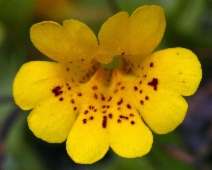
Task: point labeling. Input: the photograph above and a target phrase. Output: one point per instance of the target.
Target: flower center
(117, 62)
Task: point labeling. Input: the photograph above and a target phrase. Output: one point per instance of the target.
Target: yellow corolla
(96, 103)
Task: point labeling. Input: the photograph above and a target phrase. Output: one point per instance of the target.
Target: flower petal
(130, 137)
(72, 42)
(162, 110)
(113, 36)
(176, 69)
(88, 141)
(36, 81)
(51, 120)
(147, 26)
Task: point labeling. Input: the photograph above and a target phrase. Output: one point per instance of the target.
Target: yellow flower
(96, 103)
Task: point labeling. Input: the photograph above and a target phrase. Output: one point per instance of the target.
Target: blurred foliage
(189, 25)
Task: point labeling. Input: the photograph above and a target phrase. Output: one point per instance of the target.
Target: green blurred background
(189, 25)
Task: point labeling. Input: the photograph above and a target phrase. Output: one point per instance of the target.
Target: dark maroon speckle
(128, 106)
(123, 117)
(91, 107)
(72, 101)
(132, 122)
(104, 122)
(120, 102)
(103, 98)
(95, 96)
(57, 91)
(151, 65)
(154, 83)
(95, 87)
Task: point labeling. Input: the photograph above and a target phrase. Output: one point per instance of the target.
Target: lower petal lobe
(88, 141)
(177, 69)
(129, 136)
(34, 82)
(51, 120)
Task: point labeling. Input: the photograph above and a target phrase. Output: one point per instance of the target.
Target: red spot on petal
(109, 98)
(91, 118)
(79, 94)
(128, 106)
(151, 65)
(135, 88)
(115, 91)
(95, 87)
(103, 98)
(147, 98)
(95, 96)
(91, 107)
(75, 108)
(131, 115)
(120, 102)
(140, 82)
(104, 122)
(154, 83)
(123, 117)
(142, 102)
(110, 115)
(132, 122)
(61, 99)
(86, 111)
(84, 120)
(69, 88)
(119, 121)
(67, 69)
(95, 110)
(57, 91)
(72, 101)
(122, 88)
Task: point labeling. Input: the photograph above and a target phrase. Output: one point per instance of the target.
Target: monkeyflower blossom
(110, 92)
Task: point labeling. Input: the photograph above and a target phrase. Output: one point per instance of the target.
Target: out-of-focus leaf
(131, 5)
(9, 65)
(5, 108)
(162, 158)
(135, 163)
(20, 154)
